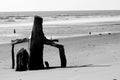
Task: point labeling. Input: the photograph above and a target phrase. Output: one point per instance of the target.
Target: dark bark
(22, 58)
(47, 65)
(13, 60)
(37, 42)
(13, 43)
(61, 52)
(18, 41)
(37, 45)
(62, 56)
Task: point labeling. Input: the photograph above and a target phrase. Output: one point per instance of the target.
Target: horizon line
(56, 10)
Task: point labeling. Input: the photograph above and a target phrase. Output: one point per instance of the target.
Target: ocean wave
(70, 21)
(79, 21)
(64, 31)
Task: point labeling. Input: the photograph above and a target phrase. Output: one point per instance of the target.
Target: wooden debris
(22, 60)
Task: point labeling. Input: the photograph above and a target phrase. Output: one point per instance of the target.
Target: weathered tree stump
(22, 58)
(13, 43)
(37, 42)
(36, 45)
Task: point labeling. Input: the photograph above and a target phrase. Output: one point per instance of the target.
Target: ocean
(59, 24)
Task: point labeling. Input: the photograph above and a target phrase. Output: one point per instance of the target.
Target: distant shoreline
(54, 13)
(74, 36)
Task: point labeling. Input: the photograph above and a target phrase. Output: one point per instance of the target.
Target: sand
(92, 57)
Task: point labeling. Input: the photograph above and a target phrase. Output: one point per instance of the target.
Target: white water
(83, 20)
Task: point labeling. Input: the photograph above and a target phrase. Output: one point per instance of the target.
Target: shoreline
(83, 35)
(78, 35)
(71, 21)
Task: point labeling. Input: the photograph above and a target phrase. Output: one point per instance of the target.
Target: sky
(58, 5)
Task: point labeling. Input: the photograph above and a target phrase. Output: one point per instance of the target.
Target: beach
(92, 56)
(92, 46)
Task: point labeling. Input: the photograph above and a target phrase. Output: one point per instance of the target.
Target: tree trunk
(36, 45)
(22, 60)
(13, 60)
(37, 42)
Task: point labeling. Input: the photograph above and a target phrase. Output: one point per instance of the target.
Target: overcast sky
(51, 5)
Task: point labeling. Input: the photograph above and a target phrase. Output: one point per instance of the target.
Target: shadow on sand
(89, 65)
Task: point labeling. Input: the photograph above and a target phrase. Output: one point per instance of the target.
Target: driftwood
(61, 51)
(13, 60)
(13, 43)
(36, 45)
(22, 58)
(37, 42)
(17, 41)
